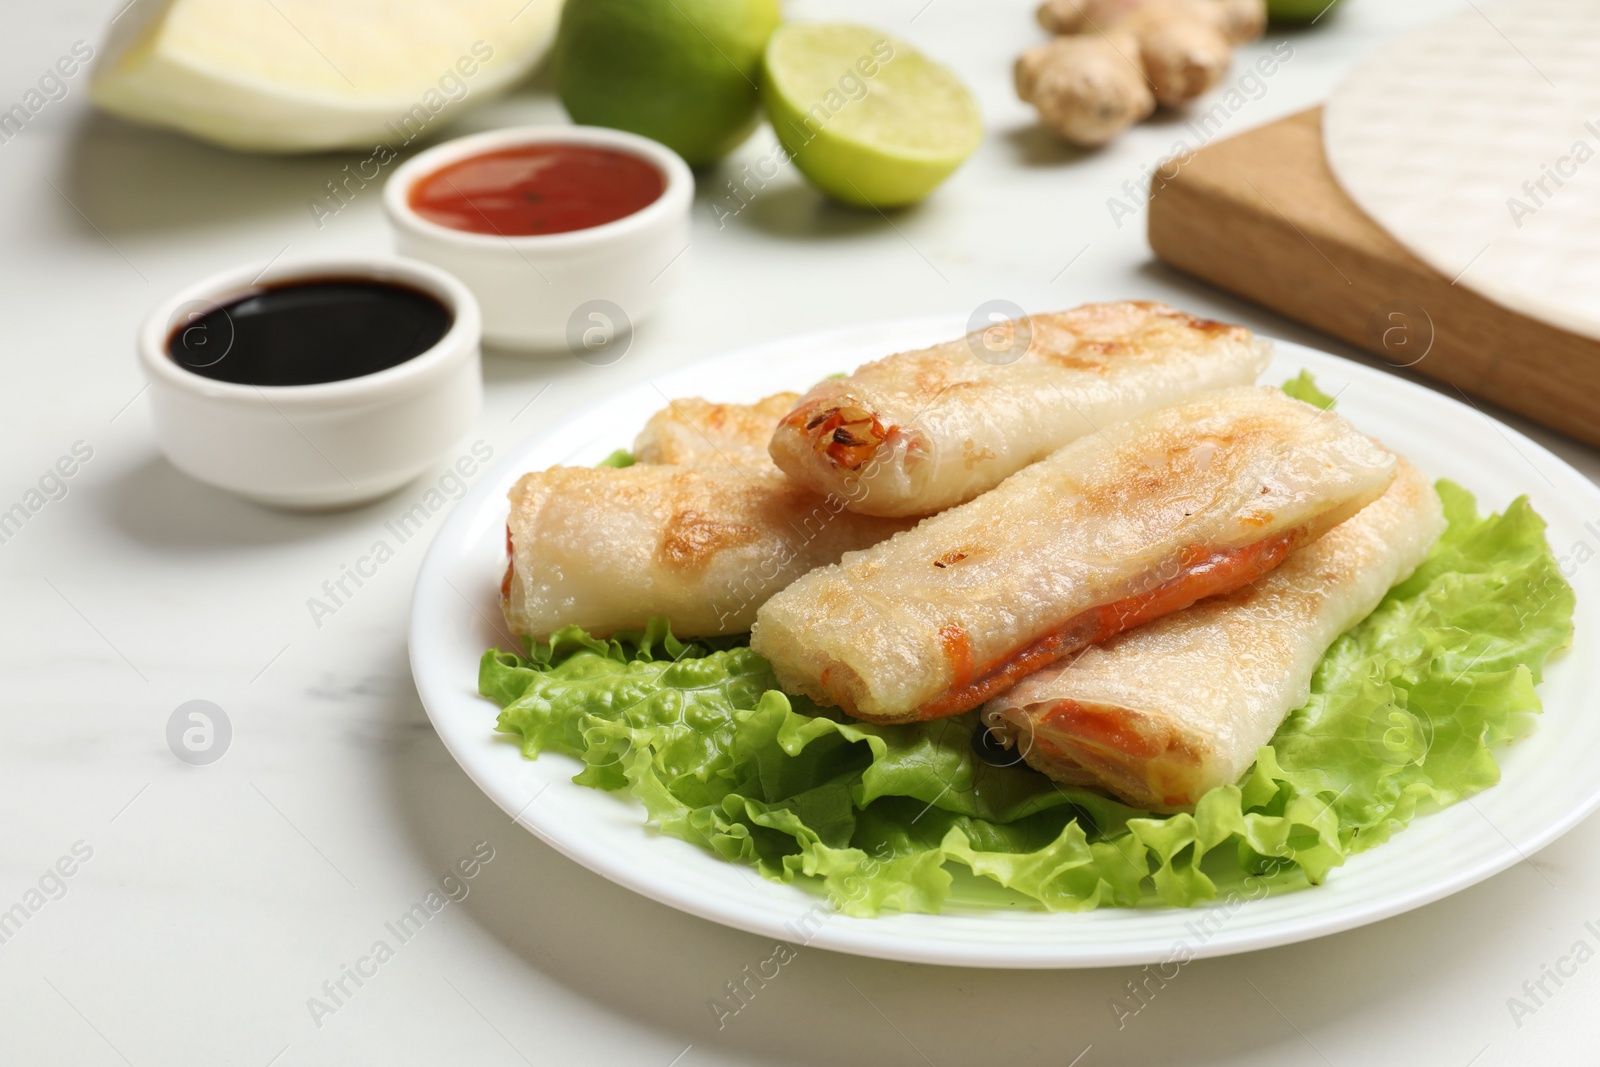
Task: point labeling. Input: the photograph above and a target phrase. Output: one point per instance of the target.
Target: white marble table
(206, 905)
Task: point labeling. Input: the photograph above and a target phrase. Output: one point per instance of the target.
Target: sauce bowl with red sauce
(541, 221)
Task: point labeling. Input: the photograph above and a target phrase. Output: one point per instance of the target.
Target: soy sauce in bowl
(309, 331)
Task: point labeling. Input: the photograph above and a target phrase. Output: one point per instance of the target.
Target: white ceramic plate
(1552, 779)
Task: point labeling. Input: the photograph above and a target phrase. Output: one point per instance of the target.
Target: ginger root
(1088, 88)
(1117, 59)
(1239, 20)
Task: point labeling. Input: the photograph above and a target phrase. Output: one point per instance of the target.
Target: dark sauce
(309, 331)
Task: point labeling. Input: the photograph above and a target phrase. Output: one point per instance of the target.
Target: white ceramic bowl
(539, 291)
(328, 445)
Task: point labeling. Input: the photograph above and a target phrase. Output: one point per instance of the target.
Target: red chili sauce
(537, 189)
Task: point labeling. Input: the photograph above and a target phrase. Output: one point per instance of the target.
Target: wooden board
(1260, 215)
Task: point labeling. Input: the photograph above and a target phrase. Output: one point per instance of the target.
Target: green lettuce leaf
(1304, 387)
(1404, 713)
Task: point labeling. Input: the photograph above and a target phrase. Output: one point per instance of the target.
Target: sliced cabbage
(304, 75)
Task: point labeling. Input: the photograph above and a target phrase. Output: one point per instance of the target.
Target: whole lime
(866, 117)
(1297, 10)
(683, 72)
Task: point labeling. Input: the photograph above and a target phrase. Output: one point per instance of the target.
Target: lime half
(867, 118)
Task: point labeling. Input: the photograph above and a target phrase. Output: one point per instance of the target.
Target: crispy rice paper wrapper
(920, 431)
(1118, 528)
(1164, 713)
(702, 529)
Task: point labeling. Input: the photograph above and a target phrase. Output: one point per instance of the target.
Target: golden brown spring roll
(1163, 713)
(1142, 519)
(699, 433)
(608, 549)
(920, 431)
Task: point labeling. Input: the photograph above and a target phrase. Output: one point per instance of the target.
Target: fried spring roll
(704, 546)
(1162, 714)
(1116, 529)
(699, 433)
(703, 534)
(920, 431)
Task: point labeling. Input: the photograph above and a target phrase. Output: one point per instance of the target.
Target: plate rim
(877, 937)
